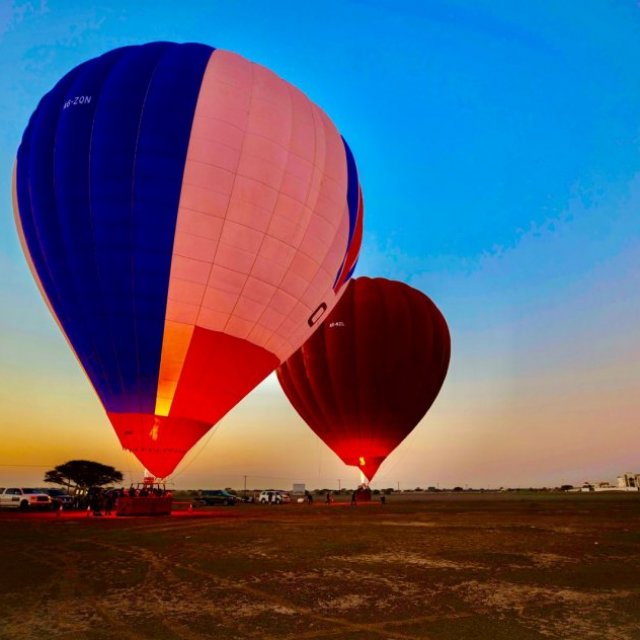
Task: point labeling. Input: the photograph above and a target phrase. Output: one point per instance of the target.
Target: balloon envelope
(365, 379)
(189, 218)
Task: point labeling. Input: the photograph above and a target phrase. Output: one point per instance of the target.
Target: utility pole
(245, 485)
(339, 486)
(398, 485)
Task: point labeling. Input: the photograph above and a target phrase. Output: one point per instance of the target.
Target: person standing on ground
(108, 502)
(96, 501)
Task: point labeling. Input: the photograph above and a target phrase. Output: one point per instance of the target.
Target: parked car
(23, 499)
(59, 498)
(217, 496)
(274, 496)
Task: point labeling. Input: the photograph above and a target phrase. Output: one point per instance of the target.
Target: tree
(83, 474)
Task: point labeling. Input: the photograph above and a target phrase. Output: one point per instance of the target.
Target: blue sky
(498, 145)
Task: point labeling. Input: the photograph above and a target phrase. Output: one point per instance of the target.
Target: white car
(274, 496)
(23, 499)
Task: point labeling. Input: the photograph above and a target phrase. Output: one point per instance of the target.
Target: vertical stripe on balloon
(110, 140)
(261, 220)
(355, 204)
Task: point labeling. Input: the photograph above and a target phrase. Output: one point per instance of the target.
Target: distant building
(626, 482)
(298, 488)
(629, 481)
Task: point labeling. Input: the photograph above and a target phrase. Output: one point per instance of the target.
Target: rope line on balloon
(398, 461)
(205, 442)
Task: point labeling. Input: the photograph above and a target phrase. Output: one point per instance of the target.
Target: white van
(274, 496)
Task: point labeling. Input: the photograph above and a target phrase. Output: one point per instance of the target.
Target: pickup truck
(23, 499)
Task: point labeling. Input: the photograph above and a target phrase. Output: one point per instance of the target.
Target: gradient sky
(498, 145)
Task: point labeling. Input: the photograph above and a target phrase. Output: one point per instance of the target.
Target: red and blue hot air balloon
(189, 218)
(365, 379)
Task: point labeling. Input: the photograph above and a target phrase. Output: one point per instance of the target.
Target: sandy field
(505, 566)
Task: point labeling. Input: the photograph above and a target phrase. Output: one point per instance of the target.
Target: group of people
(145, 492)
(101, 501)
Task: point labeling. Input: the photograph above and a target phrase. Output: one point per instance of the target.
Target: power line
(27, 466)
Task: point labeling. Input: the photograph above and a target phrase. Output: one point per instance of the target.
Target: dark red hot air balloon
(365, 379)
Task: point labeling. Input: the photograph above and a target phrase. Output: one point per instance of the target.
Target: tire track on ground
(379, 629)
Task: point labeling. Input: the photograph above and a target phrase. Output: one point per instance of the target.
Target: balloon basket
(145, 499)
(149, 506)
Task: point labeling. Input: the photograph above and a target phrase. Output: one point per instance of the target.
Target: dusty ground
(444, 567)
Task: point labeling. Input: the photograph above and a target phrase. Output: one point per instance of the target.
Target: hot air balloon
(189, 218)
(365, 379)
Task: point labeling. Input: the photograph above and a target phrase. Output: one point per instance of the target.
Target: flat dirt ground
(436, 566)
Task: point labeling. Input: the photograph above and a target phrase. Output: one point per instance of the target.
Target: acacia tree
(83, 474)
